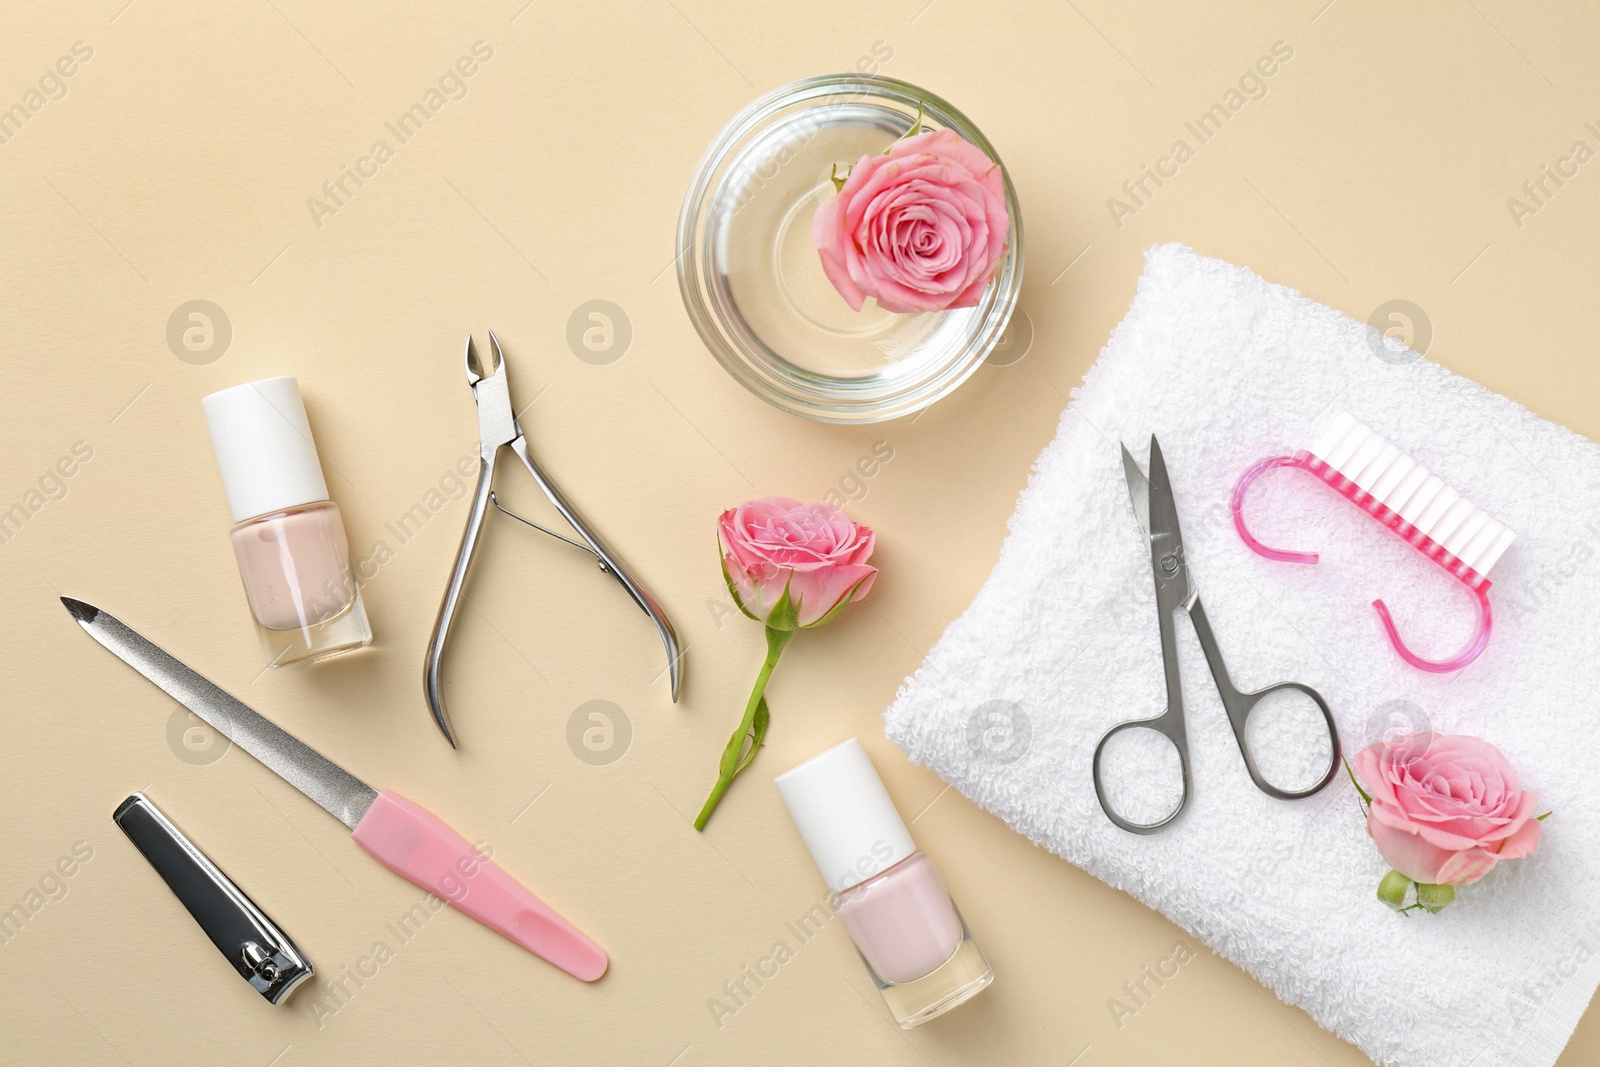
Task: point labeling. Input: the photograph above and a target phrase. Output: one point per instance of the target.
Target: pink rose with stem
(789, 566)
(921, 227)
(1443, 810)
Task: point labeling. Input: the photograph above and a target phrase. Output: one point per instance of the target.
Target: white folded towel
(1061, 643)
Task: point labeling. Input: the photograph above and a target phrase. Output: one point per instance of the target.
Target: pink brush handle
(1477, 583)
(413, 843)
(1236, 506)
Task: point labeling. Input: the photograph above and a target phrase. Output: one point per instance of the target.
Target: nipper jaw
(491, 390)
(498, 428)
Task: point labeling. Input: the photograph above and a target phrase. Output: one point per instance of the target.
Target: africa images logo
(1252, 85)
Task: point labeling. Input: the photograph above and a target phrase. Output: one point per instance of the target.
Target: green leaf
(758, 735)
(1545, 816)
(838, 182)
(1435, 898)
(848, 596)
(732, 592)
(784, 615)
(1392, 890)
(730, 763)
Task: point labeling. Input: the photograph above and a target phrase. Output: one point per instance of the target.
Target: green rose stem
(752, 728)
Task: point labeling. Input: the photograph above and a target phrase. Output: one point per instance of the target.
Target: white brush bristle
(1408, 488)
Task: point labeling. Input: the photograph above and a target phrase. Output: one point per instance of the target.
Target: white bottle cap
(845, 815)
(264, 448)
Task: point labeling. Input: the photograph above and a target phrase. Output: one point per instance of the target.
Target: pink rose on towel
(792, 565)
(1443, 810)
(921, 227)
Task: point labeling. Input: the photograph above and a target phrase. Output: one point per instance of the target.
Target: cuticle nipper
(498, 428)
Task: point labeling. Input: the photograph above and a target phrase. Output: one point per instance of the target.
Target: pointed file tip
(84, 613)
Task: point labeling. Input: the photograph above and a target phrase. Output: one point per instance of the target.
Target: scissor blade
(341, 794)
(1138, 491)
(1166, 538)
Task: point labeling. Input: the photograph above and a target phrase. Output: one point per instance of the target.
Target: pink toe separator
(1477, 583)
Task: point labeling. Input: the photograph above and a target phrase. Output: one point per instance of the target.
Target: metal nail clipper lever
(497, 429)
(248, 939)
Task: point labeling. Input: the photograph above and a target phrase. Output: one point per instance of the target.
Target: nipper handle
(610, 564)
(433, 659)
(499, 428)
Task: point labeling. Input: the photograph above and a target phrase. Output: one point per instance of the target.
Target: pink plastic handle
(1248, 479)
(1477, 583)
(1474, 647)
(415, 844)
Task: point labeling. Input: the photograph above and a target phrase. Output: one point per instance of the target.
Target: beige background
(178, 166)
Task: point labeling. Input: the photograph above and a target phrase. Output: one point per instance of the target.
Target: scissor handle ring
(1244, 705)
(1159, 725)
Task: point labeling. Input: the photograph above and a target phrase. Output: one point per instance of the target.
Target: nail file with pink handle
(404, 837)
(1406, 497)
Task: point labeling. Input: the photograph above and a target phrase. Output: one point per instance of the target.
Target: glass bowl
(754, 286)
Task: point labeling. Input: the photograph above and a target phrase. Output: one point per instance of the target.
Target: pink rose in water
(1443, 810)
(921, 227)
(790, 566)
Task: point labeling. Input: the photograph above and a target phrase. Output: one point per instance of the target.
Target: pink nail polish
(887, 893)
(288, 537)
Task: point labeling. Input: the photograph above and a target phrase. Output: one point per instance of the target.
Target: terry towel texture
(1061, 643)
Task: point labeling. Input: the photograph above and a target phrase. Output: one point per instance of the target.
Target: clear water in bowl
(771, 286)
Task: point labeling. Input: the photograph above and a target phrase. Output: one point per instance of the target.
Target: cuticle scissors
(498, 428)
(1157, 514)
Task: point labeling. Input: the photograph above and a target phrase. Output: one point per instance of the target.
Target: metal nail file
(401, 835)
(257, 948)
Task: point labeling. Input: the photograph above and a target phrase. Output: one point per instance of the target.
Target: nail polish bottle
(288, 537)
(886, 892)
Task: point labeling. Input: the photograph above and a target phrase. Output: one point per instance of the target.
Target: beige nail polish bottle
(288, 537)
